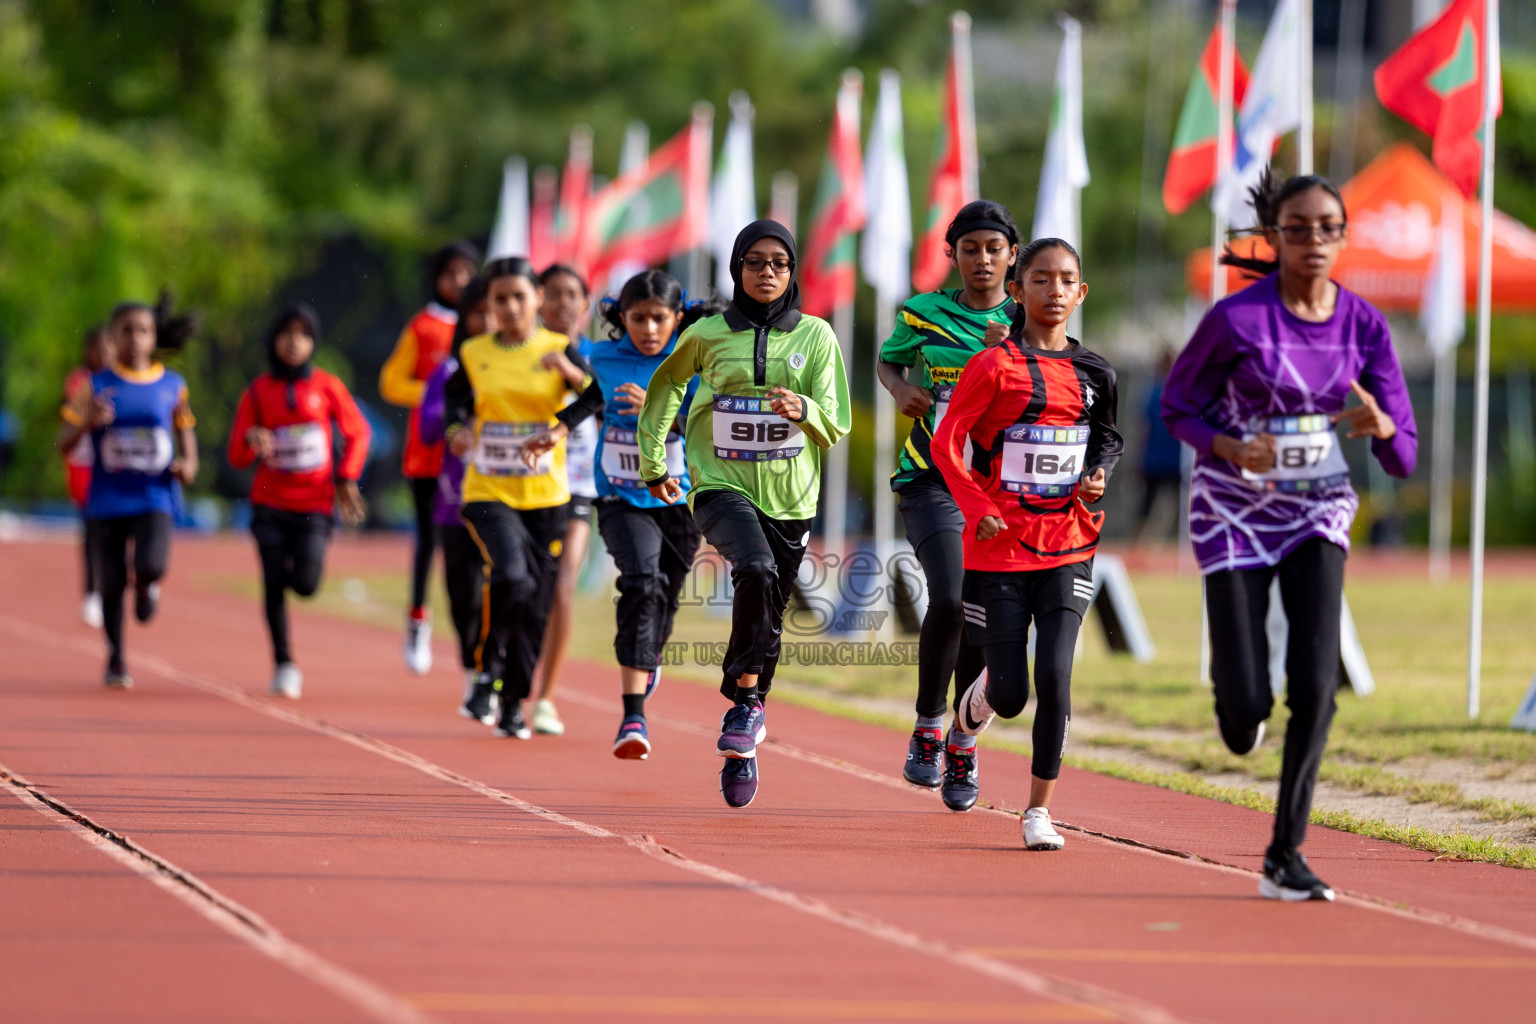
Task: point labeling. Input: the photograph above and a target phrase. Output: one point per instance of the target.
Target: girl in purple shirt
(1258, 393)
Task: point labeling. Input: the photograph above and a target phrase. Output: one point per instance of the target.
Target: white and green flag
(1064, 172)
(732, 197)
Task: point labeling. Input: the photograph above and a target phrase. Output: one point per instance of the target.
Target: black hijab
(305, 314)
(782, 312)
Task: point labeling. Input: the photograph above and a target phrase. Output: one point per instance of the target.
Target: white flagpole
(1223, 143)
(1304, 132)
(1484, 311)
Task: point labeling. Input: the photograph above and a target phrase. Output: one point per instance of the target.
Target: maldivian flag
(1436, 83)
(575, 195)
(541, 217)
(952, 180)
(828, 263)
(659, 211)
(1192, 163)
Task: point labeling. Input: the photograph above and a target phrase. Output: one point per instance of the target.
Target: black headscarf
(474, 294)
(438, 262)
(759, 313)
(305, 314)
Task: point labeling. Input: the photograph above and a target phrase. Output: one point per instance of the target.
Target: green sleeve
(663, 398)
(904, 345)
(828, 412)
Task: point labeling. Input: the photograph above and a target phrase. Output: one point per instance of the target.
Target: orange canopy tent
(1394, 209)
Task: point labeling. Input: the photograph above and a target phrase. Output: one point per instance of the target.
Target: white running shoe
(417, 649)
(90, 610)
(546, 720)
(470, 677)
(1039, 833)
(975, 713)
(287, 681)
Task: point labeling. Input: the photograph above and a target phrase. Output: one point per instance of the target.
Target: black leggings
(942, 650)
(1237, 601)
(519, 547)
(464, 579)
(765, 555)
(151, 536)
(292, 550)
(654, 550)
(423, 495)
(88, 551)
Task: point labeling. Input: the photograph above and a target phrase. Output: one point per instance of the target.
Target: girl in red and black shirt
(1040, 412)
(284, 419)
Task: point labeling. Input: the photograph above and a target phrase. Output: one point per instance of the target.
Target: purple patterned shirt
(1253, 366)
(432, 421)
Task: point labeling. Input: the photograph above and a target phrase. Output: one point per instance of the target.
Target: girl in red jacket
(1040, 411)
(284, 419)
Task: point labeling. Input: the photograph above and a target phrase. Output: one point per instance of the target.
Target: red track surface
(365, 854)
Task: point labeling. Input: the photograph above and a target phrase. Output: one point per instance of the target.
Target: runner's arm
(1383, 378)
(589, 403)
(354, 429)
(1105, 445)
(458, 401)
(397, 379)
(663, 398)
(432, 419)
(826, 414)
(970, 401)
(75, 416)
(240, 452)
(184, 468)
(1196, 380)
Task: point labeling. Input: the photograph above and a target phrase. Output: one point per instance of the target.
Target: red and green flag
(1192, 163)
(575, 195)
(1436, 83)
(828, 260)
(541, 217)
(655, 212)
(952, 180)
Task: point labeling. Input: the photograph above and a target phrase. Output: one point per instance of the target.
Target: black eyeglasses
(1298, 234)
(755, 265)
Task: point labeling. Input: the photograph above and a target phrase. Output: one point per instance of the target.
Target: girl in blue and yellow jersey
(503, 393)
(140, 427)
(652, 543)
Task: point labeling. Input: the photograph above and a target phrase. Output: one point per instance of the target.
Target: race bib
(299, 448)
(621, 458)
(1307, 454)
(941, 396)
(580, 448)
(146, 450)
(1043, 460)
(748, 430)
(499, 450)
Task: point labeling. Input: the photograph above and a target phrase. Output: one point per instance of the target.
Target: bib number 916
(760, 433)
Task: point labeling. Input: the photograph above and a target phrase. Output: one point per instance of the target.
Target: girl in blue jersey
(140, 427)
(652, 543)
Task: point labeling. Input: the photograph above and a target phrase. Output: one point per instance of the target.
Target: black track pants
(464, 579)
(88, 550)
(654, 550)
(151, 536)
(423, 495)
(520, 548)
(942, 650)
(1237, 602)
(765, 555)
(292, 549)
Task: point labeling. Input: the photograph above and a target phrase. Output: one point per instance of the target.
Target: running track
(194, 851)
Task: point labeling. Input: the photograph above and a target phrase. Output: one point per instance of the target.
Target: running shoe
(287, 681)
(741, 730)
(90, 610)
(145, 601)
(512, 724)
(546, 720)
(480, 704)
(1239, 740)
(470, 675)
(1288, 878)
(961, 785)
(632, 743)
(1039, 833)
(738, 781)
(652, 681)
(974, 713)
(417, 649)
(117, 679)
(925, 751)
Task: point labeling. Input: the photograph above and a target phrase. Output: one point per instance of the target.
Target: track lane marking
(224, 912)
(726, 1009)
(1227, 958)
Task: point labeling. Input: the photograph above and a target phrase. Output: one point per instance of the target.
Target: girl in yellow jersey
(504, 392)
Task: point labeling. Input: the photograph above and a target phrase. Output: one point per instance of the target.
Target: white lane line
(1031, 981)
(224, 912)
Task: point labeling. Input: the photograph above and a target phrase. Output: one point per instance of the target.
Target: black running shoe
(738, 780)
(479, 704)
(513, 725)
(924, 752)
(1239, 740)
(145, 601)
(1287, 877)
(961, 786)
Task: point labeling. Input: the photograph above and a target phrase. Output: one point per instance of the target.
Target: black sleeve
(573, 353)
(589, 403)
(1105, 445)
(458, 399)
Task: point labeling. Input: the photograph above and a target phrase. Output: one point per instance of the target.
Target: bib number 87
(1301, 457)
(759, 433)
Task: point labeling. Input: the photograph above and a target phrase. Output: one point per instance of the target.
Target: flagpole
(1223, 143)
(835, 530)
(1442, 469)
(885, 445)
(1304, 131)
(1484, 329)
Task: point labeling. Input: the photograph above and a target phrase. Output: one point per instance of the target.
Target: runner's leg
(940, 640)
(112, 559)
(423, 494)
(1236, 603)
(731, 524)
(463, 578)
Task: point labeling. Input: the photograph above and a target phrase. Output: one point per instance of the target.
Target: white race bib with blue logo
(1307, 454)
(146, 450)
(499, 451)
(1043, 460)
(299, 448)
(621, 458)
(748, 430)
